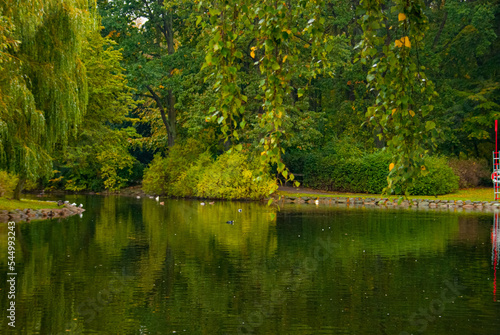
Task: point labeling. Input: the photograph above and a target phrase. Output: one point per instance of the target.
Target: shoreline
(390, 203)
(28, 214)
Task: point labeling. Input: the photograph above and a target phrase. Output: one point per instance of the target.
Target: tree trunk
(19, 188)
(379, 143)
(172, 115)
(441, 27)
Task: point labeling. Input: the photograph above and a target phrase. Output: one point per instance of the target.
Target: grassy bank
(473, 194)
(9, 204)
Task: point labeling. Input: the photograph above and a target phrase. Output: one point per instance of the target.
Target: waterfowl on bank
(60, 203)
(202, 204)
(162, 203)
(158, 198)
(230, 222)
(211, 203)
(240, 210)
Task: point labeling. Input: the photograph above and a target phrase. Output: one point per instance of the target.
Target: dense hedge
(366, 173)
(439, 180)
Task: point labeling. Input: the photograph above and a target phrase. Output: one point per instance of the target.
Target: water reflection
(133, 266)
(495, 246)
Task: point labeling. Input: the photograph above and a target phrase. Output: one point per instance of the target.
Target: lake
(133, 266)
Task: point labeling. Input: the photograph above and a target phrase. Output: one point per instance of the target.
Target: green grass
(9, 204)
(473, 194)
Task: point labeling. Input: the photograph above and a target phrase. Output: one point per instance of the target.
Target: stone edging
(28, 214)
(386, 202)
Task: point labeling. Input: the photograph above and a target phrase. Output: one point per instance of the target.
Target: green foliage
(165, 174)
(404, 92)
(234, 176)
(7, 184)
(439, 180)
(112, 163)
(187, 171)
(42, 82)
(99, 156)
(333, 170)
(187, 183)
(285, 41)
(362, 173)
(156, 176)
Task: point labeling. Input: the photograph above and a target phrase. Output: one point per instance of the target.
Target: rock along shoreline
(28, 214)
(392, 203)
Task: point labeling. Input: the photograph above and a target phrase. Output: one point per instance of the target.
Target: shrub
(365, 173)
(156, 176)
(234, 176)
(187, 183)
(164, 173)
(368, 174)
(471, 172)
(439, 180)
(8, 183)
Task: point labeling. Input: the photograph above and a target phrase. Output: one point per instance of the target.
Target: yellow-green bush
(187, 183)
(234, 176)
(187, 172)
(8, 183)
(165, 173)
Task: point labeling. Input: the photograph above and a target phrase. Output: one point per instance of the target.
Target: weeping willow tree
(43, 89)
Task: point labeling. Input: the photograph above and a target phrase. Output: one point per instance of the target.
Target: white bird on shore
(158, 198)
(81, 206)
(73, 204)
(203, 204)
(138, 197)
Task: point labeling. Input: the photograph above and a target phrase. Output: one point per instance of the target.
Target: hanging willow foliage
(283, 40)
(403, 92)
(42, 82)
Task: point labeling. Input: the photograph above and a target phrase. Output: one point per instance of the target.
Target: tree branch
(157, 99)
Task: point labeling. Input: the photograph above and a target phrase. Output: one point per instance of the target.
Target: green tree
(99, 156)
(462, 58)
(155, 56)
(43, 82)
(393, 38)
(273, 37)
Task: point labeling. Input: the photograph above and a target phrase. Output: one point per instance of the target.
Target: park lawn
(473, 194)
(10, 204)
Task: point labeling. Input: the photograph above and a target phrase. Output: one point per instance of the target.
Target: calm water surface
(132, 266)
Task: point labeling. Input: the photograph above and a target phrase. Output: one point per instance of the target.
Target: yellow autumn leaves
(394, 110)
(404, 41)
(252, 52)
